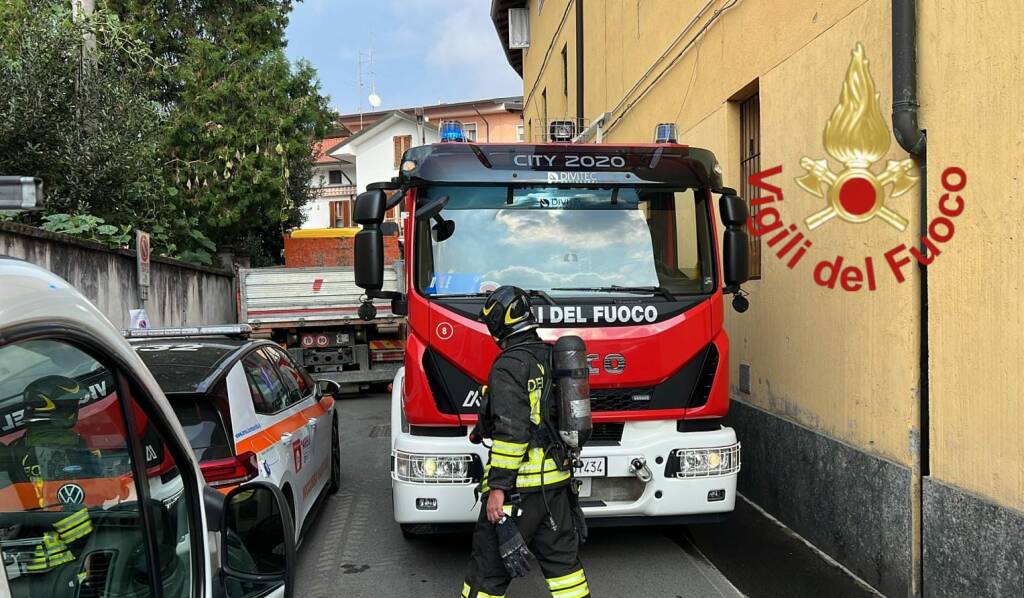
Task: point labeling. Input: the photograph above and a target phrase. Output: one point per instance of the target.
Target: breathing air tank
(572, 377)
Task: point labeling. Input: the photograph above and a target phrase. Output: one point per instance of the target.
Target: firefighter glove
(512, 548)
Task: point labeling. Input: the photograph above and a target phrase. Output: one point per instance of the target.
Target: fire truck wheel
(335, 459)
(409, 532)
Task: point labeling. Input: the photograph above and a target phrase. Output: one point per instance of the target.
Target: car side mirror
(328, 388)
(735, 247)
(258, 541)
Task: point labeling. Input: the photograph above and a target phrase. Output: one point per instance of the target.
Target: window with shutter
(401, 143)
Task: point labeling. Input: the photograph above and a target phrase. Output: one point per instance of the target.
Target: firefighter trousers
(557, 551)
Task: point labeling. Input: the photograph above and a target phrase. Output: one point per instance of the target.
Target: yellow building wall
(972, 107)
(844, 364)
(556, 24)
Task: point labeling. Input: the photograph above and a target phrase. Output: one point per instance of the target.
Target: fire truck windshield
(567, 241)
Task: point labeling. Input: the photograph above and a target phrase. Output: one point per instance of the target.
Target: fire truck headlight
(695, 462)
(433, 469)
(704, 462)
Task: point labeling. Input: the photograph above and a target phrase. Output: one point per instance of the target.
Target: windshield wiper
(458, 295)
(667, 294)
(531, 292)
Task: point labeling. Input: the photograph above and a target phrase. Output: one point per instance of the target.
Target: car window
(294, 380)
(71, 504)
(269, 394)
(204, 424)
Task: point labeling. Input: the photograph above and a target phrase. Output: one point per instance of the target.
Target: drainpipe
(487, 125)
(579, 63)
(913, 139)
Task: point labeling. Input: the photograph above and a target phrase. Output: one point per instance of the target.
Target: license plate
(586, 487)
(592, 467)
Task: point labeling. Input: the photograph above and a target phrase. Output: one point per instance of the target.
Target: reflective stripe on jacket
(54, 550)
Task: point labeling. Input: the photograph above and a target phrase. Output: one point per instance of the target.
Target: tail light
(229, 472)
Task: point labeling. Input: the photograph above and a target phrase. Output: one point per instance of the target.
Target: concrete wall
(180, 294)
(835, 376)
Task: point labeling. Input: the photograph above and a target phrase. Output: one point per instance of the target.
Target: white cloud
(466, 43)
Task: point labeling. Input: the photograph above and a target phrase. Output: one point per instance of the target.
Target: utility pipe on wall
(914, 140)
(579, 64)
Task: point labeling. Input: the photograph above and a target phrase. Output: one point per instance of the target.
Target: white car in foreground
(100, 494)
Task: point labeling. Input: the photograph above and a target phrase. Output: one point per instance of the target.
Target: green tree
(241, 117)
(187, 120)
(87, 126)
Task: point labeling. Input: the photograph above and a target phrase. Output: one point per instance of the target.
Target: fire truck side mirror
(370, 207)
(735, 245)
(369, 262)
(369, 243)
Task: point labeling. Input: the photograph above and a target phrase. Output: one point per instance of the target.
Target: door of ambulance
(284, 433)
(318, 425)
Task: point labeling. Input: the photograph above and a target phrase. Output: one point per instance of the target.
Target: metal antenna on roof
(373, 98)
(359, 84)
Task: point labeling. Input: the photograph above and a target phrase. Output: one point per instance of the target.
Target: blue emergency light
(665, 133)
(451, 130)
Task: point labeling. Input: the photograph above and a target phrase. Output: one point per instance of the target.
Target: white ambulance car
(250, 413)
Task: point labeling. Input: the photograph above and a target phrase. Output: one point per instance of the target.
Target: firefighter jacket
(519, 456)
(45, 452)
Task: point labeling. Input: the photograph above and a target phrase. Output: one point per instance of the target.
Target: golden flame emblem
(857, 136)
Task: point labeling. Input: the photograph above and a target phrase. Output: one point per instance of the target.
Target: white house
(333, 180)
(376, 151)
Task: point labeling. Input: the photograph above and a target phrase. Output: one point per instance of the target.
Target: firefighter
(526, 484)
(49, 451)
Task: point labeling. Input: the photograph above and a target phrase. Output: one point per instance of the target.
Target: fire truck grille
(620, 399)
(689, 387)
(607, 431)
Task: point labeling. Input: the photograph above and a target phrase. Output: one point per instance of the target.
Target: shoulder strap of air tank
(546, 395)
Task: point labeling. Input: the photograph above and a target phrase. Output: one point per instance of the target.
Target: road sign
(142, 255)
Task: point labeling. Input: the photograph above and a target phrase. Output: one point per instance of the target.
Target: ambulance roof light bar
(21, 193)
(451, 130)
(233, 330)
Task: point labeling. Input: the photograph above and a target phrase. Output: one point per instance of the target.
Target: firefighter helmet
(53, 399)
(507, 311)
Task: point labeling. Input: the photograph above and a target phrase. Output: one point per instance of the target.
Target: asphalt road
(354, 549)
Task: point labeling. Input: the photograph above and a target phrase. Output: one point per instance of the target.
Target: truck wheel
(335, 484)
(409, 532)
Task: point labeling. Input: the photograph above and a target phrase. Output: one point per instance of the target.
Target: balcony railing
(336, 191)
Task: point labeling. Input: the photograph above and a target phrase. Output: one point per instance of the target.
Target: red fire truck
(615, 244)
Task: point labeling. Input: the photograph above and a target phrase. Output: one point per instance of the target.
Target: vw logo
(70, 495)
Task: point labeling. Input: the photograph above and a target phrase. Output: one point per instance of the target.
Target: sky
(424, 51)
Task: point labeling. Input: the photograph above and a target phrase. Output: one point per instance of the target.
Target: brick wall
(309, 253)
